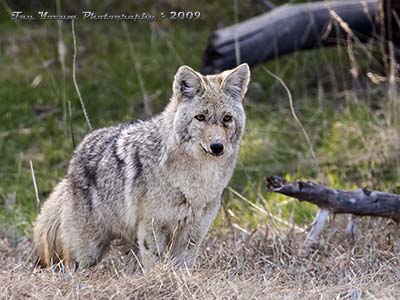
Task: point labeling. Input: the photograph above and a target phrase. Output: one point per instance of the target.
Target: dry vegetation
(264, 264)
(343, 115)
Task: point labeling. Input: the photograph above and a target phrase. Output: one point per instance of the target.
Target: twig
(137, 260)
(71, 125)
(61, 57)
(146, 98)
(10, 204)
(316, 229)
(264, 211)
(350, 34)
(154, 26)
(352, 227)
(297, 119)
(354, 66)
(35, 185)
(74, 79)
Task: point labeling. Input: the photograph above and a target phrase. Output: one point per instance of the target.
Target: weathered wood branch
(360, 202)
(289, 28)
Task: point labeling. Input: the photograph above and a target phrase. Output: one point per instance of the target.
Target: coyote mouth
(210, 153)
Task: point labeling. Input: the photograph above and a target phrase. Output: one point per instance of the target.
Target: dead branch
(360, 202)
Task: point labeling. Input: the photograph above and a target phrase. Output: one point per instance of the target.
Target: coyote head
(209, 117)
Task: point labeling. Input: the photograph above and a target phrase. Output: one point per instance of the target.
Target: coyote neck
(205, 177)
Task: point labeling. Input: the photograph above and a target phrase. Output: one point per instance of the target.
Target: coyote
(156, 184)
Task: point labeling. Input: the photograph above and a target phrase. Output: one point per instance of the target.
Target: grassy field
(124, 72)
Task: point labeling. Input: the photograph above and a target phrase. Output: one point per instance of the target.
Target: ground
(264, 264)
(345, 97)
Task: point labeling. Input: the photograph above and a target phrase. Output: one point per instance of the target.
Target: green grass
(345, 118)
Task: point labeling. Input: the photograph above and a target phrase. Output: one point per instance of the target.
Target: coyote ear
(236, 81)
(187, 83)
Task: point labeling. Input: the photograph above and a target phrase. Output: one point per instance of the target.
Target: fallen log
(360, 202)
(286, 29)
(391, 22)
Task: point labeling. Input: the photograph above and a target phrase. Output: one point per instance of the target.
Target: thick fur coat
(156, 184)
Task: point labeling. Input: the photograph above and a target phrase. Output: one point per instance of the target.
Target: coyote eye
(200, 117)
(227, 118)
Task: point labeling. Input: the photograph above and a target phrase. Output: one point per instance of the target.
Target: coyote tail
(48, 246)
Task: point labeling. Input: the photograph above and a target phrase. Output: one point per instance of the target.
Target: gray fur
(154, 183)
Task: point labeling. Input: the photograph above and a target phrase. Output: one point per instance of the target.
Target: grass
(263, 264)
(250, 253)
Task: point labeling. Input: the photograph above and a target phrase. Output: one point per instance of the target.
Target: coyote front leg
(152, 241)
(188, 244)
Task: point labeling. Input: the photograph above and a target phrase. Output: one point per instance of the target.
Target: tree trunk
(289, 28)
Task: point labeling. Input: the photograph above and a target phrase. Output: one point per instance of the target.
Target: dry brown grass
(233, 265)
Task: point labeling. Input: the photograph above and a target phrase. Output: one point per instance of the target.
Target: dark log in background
(360, 202)
(391, 9)
(289, 28)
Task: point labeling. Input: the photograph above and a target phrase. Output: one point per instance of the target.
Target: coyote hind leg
(85, 240)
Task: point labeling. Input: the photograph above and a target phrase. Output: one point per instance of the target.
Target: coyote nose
(217, 148)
